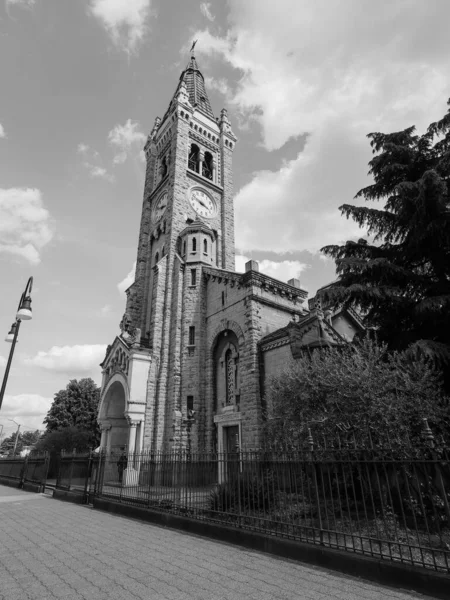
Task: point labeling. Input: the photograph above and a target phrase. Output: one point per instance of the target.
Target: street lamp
(23, 314)
(17, 435)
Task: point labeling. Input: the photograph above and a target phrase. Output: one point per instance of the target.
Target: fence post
(87, 477)
(71, 468)
(429, 439)
(316, 487)
(46, 467)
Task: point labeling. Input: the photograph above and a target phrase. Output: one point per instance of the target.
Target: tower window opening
(223, 298)
(208, 166)
(205, 246)
(190, 403)
(156, 258)
(164, 167)
(184, 248)
(194, 244)
(163, 251)
(194, 158)
(192, 336)
(193, 276)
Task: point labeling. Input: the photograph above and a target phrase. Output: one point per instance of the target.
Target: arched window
(194, 158)
(205, 246)
(194, 244)
(184, 248)
(164, 168)
(163, 251)
(208, 166)
(156, 258)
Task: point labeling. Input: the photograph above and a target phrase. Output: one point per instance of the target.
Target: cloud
(126, 21)
(2, 131)
(25, 225)
(205, 9)
(29, 410)
(282, 270)
(21, 3)
(129, 279)
(76, 360)
(329, 74)
(2, 361)
(92, 162)
(106, 310)
(124, 139)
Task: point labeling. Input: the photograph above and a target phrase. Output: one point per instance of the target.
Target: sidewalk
(52, 549)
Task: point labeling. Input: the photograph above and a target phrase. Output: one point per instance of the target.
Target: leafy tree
(76, 406)
(401, 281)
(349, 389)
(66, 439)
(27, 438)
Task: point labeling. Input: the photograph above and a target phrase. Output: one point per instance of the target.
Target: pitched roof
(195, 84)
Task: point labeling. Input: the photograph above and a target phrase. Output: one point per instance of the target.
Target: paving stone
(55, 550)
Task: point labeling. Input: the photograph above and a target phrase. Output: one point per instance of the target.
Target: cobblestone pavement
(51, 549)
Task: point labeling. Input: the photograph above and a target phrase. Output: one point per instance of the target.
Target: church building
(198, 340)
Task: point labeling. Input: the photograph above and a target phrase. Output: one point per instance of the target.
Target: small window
(205, 246)
(190, 403)
(184, 248)
(164, 168)
(163, 251)
(194, 244)
(156, 258)
(223, 298)
(193, 276)
(191, 336)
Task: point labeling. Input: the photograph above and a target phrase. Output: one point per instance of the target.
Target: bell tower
(187, 221)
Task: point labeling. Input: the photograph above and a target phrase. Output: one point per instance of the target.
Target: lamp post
(23, 314)
(17, 435)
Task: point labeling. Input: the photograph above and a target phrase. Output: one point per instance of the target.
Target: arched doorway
(112, 417)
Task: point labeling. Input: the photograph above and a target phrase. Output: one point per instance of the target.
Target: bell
(24, 313)
(10, 337)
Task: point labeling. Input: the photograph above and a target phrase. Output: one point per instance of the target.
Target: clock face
(160, 207)
(202, 203)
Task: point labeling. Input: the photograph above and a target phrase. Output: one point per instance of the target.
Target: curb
(384, 572)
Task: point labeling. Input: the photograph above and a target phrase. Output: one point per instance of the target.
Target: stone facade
(197, 339)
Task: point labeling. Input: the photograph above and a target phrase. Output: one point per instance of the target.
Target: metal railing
(28, 469)
(387, 503)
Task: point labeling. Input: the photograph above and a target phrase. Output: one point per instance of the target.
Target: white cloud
(334, 72)
(79, 359)
(282, 270)
(92, 160)
(82, 148)
(205, 9)
(106, 310)
(2, 131)
(124, 138)
(126, 21)
(129, 279)
(21, 3)
(25, 225)
(29, 410)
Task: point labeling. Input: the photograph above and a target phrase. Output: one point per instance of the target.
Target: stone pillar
(201, 158)
(108, 438)
(132, 437)
(214, 169)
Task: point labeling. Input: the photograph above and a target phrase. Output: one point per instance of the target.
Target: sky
(304, 82)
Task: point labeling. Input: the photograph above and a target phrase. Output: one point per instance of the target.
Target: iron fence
(387, 503)
(28, 469)
(73, 471)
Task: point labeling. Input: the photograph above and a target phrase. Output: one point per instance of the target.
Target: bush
(245, 493)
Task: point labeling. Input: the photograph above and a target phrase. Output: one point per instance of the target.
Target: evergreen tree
(401, 281)
(75, 406)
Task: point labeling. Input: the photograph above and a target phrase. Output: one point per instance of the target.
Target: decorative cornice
(285, 341)
(269, 284)
(204, 141)
(204, 181)
(221, 275)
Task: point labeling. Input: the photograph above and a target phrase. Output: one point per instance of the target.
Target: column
(107, 438)
(132, 437)
(201, 158)
(131, 473)
(214, 170)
